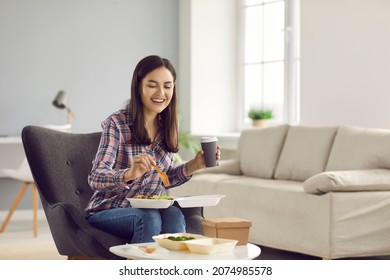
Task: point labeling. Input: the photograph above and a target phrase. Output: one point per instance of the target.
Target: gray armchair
(60, 163)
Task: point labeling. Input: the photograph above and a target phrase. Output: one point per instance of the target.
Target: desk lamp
(60, 102)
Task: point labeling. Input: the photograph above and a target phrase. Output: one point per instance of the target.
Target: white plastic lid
(207, 139)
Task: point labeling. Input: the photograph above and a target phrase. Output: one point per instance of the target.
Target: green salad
(180, 238)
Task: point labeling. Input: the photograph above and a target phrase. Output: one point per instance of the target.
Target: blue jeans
(137, 224)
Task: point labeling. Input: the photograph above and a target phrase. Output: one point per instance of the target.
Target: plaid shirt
(115, 156)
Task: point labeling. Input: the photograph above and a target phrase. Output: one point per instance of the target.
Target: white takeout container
(163, 241)
(150, 203)
(199, 200)
(211, 245)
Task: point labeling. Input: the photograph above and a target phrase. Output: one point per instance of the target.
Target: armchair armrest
(193, 217)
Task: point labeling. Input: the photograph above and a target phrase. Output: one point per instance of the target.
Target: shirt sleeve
(178, 175)
(103, 176)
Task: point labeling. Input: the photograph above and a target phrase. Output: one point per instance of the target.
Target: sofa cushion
(360, 148)
(305, 152)
(259, 150)
(350, 180)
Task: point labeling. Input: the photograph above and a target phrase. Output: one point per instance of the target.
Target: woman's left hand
(198, 162)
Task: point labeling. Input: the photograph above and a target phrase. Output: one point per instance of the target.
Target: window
(269, 58)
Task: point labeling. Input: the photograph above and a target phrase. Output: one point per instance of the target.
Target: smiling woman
(135, 142)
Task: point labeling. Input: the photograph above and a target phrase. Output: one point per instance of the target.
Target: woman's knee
(152, 218)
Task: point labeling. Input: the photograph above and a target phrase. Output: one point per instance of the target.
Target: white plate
(139, 253)
(150, 203)
(199, 200)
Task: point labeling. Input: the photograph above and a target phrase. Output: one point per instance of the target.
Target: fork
(163, 176)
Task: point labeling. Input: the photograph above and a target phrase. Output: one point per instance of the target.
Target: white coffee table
(240, 252)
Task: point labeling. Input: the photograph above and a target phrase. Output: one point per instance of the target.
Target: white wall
(345, 63)
(88, 48)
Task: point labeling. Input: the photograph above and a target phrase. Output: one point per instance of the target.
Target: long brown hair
(168, 117)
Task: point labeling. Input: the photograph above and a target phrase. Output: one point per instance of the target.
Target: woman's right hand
(141, 163)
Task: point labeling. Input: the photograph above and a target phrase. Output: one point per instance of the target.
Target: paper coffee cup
(209, 147)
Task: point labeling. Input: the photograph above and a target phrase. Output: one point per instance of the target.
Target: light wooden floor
(17, 242)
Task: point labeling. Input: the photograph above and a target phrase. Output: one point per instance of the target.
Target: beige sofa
(322, 191)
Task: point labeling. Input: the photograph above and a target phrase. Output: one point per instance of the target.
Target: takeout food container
(211, 245)
(199, 200)
(184, 201)
(229, 228)
(163, 241)
(150, 203)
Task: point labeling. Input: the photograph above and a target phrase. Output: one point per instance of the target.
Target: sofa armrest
(228, 166)
(348, 181)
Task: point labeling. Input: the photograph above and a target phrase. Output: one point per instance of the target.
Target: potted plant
(260, 116)
(188, 142)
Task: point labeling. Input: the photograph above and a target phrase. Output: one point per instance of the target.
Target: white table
(11, 140)
(11, 153)
(240, 252)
